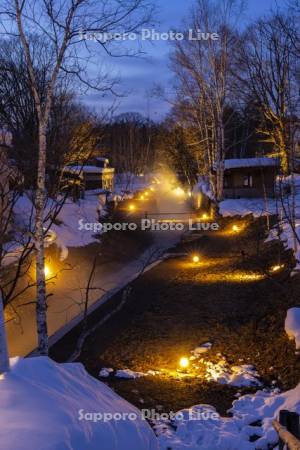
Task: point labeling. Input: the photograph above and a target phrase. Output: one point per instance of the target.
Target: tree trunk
(41, 305)
(4, 360)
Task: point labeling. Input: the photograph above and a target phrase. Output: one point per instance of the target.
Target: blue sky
(138, 76)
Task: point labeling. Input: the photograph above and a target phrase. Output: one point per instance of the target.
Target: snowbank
(252, 418)
(68, 230)
(292, 325)
(42, 405)
(261, 207)
(243, 206)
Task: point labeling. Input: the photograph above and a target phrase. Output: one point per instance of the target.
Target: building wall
(104, 180)
(263, 181)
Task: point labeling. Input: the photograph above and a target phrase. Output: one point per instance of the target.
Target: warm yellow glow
(235, 228)
(196, 259)
(231, 277)
(179, 192)
(184, 362)
(204, 216)
(152, 189)
(277, 267)
(146, 193)
(131, 207)
(142, 197)
(47, 271)
(189, 193)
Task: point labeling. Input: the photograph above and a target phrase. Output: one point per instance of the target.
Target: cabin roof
(251, 162)
(89, 169)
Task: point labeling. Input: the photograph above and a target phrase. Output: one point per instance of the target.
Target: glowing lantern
(204, 216)
(47, 271)
(277, 267)
(142, 197)
(178, 192)
(196, 259)
(184, 363)
(235, 228)
(131, 207)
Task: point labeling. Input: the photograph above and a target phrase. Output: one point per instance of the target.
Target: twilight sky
(138, 76)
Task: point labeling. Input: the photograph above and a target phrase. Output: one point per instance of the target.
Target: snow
(244, 206)
(201, 349)
(238, 376)
(67, 227)
(105, 372)
(203, 186)
(260, 207)
(50, 406)
(292, 325)
(229, 433)
(88, 169)
(129, 374)
(250, 162)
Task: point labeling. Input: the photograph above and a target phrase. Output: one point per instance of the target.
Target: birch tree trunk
(4, 360)
(41, 305)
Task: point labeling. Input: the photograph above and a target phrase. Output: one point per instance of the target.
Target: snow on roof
(88, 169)
(250, 162)
(102, 158)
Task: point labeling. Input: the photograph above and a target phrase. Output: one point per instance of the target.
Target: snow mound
(41, 404)
(292, 325)
(129, 374)
(250, 428)
(105, 372)
(244, 206)
(238, 376)
(201, 349)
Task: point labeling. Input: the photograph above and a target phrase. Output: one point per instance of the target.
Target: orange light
(47, 271)
(184, 362)
(235, 228)
(178, 192)
(196, 259)
(204, 216)
(131, 207)
(142, 197)
(277, 267)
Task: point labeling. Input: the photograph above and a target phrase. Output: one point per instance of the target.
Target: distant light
(152, 189)
(235, 228)
(204, 216)
(47, 271)
(196, 259)
(184, 363)
(179, 192)
(277, 267)
(142, 197)
(146, 193)
(189, 193)
(131, 207)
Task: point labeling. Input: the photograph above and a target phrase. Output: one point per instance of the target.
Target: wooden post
(288, 429)
(283, 420)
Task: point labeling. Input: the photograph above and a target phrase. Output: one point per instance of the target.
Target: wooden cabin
(96, 174)
(250, 177)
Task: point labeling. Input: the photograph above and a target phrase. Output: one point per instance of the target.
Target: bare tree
(268, 70)
(60, 25)
(203, 69)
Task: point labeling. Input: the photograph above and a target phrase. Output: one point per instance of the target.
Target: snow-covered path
(68, 290)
